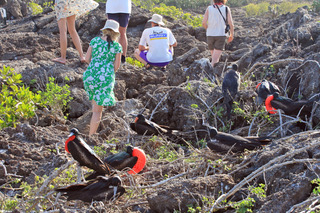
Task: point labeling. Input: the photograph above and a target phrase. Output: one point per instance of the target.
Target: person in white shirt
(120, 10)
(214, 21)
(156, 44)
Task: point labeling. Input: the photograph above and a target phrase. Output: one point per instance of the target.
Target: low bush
(19, 103)
(316, 5)
(267, 9)
(177, 13)
(36, 8)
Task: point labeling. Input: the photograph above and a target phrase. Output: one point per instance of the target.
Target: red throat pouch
(67, 141)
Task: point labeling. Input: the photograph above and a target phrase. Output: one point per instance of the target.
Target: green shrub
(256, 9)
(36, 8)
(264, 8)
(290, 7)
(184, 4)
(9, 205)
(316, 190)
(177, 13)
(134, 62)
(147, 4)
(48, 4)
(171, 11)
(237, 3)
(244, 205)
(55, 96)
(164, 152)
(19, 103)
(316, 5)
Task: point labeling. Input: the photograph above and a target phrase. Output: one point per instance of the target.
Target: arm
(117, 62)
(174, 45)
(141, 47)
(88, 54)
(143, 42)
(230, 22)
(205, 19)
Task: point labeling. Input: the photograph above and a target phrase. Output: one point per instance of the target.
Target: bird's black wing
(133, 126)
(289, 108)
(82, 153)
(75, 187)
(117, 158)
(236, 141)
(127, 163)
(259, 140)
(156, 126)
(92, 191)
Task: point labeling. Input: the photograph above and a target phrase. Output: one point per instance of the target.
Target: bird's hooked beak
(134, 116)
(71, 134)
(115, 189)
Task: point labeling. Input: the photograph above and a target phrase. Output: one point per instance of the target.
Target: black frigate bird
(82, 153)
(223, 142)
(133, 158)
(264, 89)
(230, 87)
(122, 160)
(99, 189)
(142, 126)
(291, 107)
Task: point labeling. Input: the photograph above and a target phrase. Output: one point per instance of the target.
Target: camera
(227, 28)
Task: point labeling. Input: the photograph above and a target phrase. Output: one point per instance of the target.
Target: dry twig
(268, 166)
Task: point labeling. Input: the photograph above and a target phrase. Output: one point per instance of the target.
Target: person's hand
(230, 38)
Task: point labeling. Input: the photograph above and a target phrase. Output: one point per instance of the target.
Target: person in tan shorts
(215, 19)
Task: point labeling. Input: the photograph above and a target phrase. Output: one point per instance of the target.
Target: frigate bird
(223, 142)
(264, 89)
(230, 87)
(291, 107)
(99, 189)
(83, 154)
(133, 158)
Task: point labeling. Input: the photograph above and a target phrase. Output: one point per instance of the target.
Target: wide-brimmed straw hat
(111, 24)
(156, 18)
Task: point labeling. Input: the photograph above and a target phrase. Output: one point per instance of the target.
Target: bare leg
(137, 55)
(215, 56)
(123, 39)
(71, 20)
(96, 117)
(62, 24)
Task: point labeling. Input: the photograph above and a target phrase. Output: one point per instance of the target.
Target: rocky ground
(290, 43)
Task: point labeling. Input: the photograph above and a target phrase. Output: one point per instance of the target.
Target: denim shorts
(121, 18)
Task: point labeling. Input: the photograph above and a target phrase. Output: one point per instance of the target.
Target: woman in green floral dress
(99, 78)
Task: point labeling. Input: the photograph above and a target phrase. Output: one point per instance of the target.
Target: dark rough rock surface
(188, 92)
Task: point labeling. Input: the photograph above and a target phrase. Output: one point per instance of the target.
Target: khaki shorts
(216, 42)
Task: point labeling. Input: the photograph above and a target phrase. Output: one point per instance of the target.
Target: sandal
(83, 60)
(59, 60)
(148, 66)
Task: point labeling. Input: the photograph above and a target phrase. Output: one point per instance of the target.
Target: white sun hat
(111, 24)
(156, 18)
